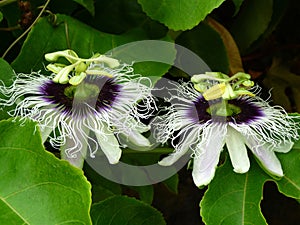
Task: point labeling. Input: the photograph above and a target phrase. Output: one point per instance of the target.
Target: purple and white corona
(88, 105)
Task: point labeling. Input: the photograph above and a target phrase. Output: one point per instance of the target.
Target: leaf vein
(40, 184)
(244, 198)
(291, 182)
(16, 212)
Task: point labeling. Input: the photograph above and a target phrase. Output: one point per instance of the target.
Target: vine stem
(27, 30)
(10, 28)
(6, 2)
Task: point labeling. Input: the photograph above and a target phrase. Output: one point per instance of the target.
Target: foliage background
(260, 37)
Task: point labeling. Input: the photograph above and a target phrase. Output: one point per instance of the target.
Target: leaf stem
(27, 30)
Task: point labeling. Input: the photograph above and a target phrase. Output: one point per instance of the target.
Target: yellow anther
(215, 92)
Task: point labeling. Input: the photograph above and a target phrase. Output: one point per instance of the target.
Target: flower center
(82, 92)
(223, 109)
(241, 110)
(98, 92)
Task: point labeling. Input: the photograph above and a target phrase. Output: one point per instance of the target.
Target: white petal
(45, 132)
(140, 127)
(47, 126)
(77, 160)
(109, 145)
(132, 136)
(185, 146)
(284, 147)
(237, 151)
(136, 138)
(266, 157)
(132, 122)
(142, 145)
(172, 158)
(210, 148)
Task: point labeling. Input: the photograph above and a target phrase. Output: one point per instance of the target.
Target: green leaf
(289, 185)
(279, 10)
(152, 58)
(84, 40)
(280, 78)
(6, 76)
(146, 193)
(151, 69)
(36, 187)
(11, 13)
(100, 193)
(124, 210)
(297, 145)
(251, 22)
(6, 2)
(233, 54)
(237, 4)
(1, 16)
(46, 37)
(179, 14)
(206, 43)
(172, 183)
(234, 199)
(88, 4)
(116, 16)
(6, 72)
(101, 187)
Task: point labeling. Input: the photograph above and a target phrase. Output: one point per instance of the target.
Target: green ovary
(82, 92)
(223, 109)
